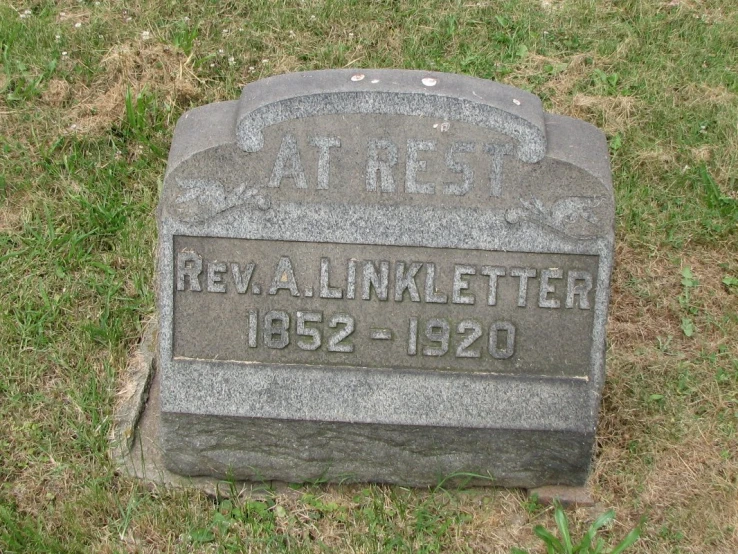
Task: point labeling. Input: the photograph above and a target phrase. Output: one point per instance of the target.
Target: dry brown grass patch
(616, 113)
(660, 158)
(645, 303)
(72, 13)
(56, 93)
(551, 4)
(159, 69)
(497, 521)
(39, 485)
(164, 528)
(613, 113)
(275, 66)
(680, 482)
(698, 476)
(11, 216)
(3, 84)
(724, 164)
(694, 94)
(561, 85)
(702, 153)
(643, 291)
(670, 451)
(706, 10)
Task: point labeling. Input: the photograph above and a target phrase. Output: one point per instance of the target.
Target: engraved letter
(459, 167)
(543, 300)
(461, 284)
(288, 164)
(374, 164)
(378, 280)
(242, 279)
(215, 279)
(405, 280)
(413, 165)
(284, 277)
(324, 144)
(326, 290)
(582, 289)
(494, 273)
(192, 270)
(496, 151)
(431, 295)
(524, 273)
(351, 280)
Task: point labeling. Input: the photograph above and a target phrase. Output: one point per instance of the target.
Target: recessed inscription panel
(383, 306)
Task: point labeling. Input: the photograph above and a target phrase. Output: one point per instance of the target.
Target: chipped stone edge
(132, 397)
(133, 438)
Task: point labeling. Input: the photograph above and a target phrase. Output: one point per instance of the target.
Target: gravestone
(386, 276)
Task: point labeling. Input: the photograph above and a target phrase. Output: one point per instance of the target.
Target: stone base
(305, 451)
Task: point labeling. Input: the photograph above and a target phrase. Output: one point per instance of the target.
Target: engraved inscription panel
(383, 306)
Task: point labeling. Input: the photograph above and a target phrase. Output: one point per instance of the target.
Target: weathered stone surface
(134, 442)
(410, 455)
(383, 276)
(131, 399)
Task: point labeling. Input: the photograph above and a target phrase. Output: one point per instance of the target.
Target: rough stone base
(300, 451)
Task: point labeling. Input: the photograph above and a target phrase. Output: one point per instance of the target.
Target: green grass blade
(563, 524)
(552, 543)
(629, 540)
(598, 523)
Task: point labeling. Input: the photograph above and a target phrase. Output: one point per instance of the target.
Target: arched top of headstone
(455, 98)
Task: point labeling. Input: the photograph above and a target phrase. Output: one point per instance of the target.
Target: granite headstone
(381, 275)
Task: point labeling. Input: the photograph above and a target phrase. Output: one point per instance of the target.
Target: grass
(590, 543)
(89, 95)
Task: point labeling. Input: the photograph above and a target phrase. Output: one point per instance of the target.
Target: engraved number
(437, 330)
(476, 331)
(304, 331)
(412, 337)
(253, 318)
(276, 329)
(501, 328)
(334, 342)
(437, 338)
